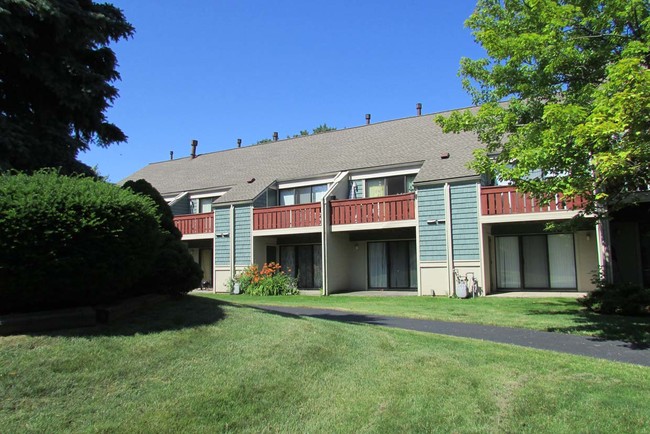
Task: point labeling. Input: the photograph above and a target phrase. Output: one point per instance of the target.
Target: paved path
(581, 345)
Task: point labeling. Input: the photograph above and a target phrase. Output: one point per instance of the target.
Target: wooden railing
(286, 217)
(506, 200)
(373, 209)
(192, 224)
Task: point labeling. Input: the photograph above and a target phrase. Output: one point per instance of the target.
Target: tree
(576, 80)
(56, 71)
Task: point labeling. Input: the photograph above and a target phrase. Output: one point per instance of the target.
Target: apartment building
(383, 206)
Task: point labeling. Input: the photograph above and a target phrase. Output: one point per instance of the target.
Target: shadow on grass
(631, 329)
(188, 311)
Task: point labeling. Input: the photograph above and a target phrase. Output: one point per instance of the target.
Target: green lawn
(562, 315)
(202, 365)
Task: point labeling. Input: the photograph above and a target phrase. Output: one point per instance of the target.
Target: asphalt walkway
(589, 346)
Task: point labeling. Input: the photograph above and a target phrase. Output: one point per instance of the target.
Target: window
(536, 262)
(205, 204)
(300, 195)
(378, 187)
(392, 265)
(303, 262)
(202, 205)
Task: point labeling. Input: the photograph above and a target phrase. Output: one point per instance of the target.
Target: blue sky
(216, 71)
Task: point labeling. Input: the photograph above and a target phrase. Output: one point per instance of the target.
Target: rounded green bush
(70, 241)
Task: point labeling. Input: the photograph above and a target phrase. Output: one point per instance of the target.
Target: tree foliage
(323, 128)
(56, 70)
(576, 80)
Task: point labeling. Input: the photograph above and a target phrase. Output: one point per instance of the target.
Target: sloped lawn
(562, 315)
(200, 365)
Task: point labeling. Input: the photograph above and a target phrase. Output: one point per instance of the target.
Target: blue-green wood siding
(243, 235)
(431, 206)
(465, 225)
(181, 206)
(221, 244)
(360, 193)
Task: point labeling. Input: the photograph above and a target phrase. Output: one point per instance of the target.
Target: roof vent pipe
(239, 143)
(418, 107)
(368, 119)
(195, 143)
(275, 136)
(171, 155)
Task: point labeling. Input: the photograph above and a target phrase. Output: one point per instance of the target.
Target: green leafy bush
(270, 280)
(174, 270)
(70, 241)
(622, 299)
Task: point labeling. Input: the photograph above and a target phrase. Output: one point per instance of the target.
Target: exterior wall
(221, 278)
(259, 249)
(242, 236)
(181, 206)
(222, 243)
(465, 225)
(339, 251)
(193, 206)
(431, 206)
(434, 278)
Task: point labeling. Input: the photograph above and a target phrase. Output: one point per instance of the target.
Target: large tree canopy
(574, 75)
(56, 70)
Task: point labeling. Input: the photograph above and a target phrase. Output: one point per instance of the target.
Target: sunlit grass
(199, 365)
(563, 315)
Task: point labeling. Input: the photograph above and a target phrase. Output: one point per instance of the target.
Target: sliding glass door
(303, 262)
(536, 262)
(392, 265)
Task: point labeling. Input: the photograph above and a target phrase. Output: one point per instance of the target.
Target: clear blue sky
(217, 71)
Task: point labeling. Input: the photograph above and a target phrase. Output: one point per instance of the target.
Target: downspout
(324, 203)
(481, 235)
(232, 241)
(448, 236)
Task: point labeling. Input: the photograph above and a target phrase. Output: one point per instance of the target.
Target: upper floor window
(300, 195)
(401, 184)
(202, 205)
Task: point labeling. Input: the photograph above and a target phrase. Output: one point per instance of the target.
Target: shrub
(271, 280)
(174, 269)
(622, 299)
(70, 241)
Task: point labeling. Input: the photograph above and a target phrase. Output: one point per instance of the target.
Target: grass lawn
(562, 315)
(202, 365)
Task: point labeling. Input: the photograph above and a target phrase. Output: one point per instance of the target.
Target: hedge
(71, 241)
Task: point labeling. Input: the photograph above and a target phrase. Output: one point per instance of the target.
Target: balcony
(195, 225)
(287, 217)
(374, 209)
(505, 200)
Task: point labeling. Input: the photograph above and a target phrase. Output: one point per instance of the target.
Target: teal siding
(431, 206)
(243, 235)
(221, 244)
(360, 187)
(182, 206)
(465, 225)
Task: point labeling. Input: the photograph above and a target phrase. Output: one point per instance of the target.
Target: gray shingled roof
(410, 140)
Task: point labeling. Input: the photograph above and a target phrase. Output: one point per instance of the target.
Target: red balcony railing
(507, 200)
(192, 224)
(286, 217)
(373, 209)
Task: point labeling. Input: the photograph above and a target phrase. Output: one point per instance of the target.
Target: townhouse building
(383, 206)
